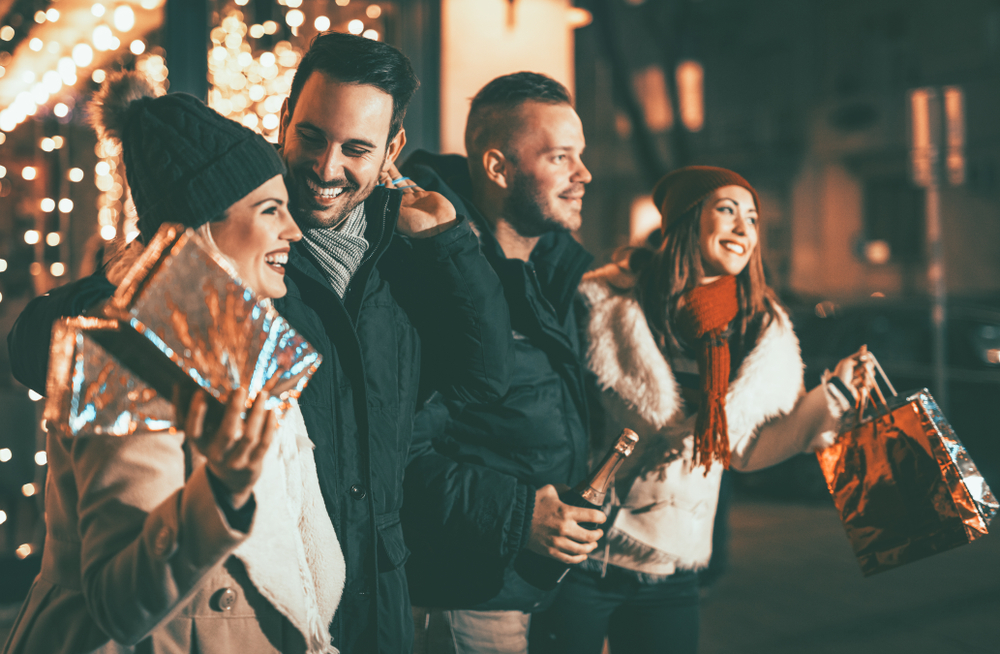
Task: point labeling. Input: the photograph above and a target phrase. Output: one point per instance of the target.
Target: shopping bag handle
(864, 395)
(885, 377)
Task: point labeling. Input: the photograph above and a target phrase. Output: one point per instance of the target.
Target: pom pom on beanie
(184, 162)
(108, 110)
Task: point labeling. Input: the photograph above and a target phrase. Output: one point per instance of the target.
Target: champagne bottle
(546, 572)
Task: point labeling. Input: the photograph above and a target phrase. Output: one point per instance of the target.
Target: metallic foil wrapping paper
(904, 485)
(180, 320)
(91, 392)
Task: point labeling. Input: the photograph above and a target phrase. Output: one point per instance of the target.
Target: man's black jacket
(359, 405)
(470, 488)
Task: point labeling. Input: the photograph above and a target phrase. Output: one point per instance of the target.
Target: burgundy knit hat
(680, 190)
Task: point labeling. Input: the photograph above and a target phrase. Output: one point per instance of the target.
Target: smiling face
(545, 184)
(728, 232)
(335, 144)
(256, 235)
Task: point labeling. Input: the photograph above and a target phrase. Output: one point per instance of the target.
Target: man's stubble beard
(526, 211)
(305, 217)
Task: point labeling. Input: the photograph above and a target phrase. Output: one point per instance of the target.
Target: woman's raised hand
(235, 451)
(857, 371)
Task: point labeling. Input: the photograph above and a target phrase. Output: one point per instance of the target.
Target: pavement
(794, 587)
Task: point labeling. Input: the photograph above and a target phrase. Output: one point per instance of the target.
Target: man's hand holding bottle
(556, 529)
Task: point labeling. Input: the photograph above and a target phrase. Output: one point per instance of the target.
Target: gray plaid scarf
(339, 251)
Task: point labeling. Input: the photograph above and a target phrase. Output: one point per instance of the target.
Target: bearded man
(480, 490)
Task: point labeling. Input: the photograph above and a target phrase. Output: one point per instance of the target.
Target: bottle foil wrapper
(180, 321)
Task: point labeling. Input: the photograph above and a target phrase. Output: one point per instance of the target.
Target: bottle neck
(595, 488)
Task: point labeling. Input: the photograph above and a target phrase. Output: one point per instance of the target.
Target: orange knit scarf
(706, 313)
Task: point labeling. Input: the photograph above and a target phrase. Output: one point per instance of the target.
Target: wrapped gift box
(179, 321)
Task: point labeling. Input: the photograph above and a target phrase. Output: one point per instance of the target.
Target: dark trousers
(638, 618)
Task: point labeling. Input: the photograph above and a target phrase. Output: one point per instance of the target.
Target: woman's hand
(235, 452)
(857, 372)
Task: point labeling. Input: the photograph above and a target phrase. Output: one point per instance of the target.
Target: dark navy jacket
(470, 489)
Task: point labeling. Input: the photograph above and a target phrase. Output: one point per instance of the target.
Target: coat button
(227, 599)
(358, 492)
(164, 541)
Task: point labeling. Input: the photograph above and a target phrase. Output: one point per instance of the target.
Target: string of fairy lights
(250, 67)
(115, 209)
(250, 87)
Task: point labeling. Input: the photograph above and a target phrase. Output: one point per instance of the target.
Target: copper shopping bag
(180, 320)
(903, 483)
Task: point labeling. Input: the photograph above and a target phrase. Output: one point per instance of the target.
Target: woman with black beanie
(189, 541)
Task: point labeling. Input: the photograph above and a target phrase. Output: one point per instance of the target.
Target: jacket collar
(557, 260)
(381, 215)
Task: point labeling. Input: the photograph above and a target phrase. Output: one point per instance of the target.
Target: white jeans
(489, 632)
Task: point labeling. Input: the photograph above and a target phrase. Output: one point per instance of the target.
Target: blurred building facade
(809, 101)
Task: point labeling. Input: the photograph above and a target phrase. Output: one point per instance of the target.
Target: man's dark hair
(492, 106)
(356, 60)
(513, 89)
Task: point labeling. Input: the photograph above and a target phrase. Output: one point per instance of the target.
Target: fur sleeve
(771, 417)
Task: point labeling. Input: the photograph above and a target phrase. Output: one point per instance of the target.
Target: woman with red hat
(693, 351)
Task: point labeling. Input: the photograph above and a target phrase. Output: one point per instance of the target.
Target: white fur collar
(292, 554)
(625, 358)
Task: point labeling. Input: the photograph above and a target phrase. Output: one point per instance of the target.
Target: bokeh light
(124, 18)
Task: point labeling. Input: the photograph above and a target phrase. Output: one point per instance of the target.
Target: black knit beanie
(184, 162)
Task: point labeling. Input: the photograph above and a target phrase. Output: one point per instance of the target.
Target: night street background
(810, 100)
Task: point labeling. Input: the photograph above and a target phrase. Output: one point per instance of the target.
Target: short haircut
(356, 60)
(491, 108)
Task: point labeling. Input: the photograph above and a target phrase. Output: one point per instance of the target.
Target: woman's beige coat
(138, 552)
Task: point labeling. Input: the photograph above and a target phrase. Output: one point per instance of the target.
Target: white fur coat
(667, 505)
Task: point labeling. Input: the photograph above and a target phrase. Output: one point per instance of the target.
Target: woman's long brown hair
(674, 268)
